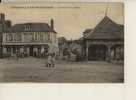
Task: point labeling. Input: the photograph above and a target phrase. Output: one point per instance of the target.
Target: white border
(125, 91)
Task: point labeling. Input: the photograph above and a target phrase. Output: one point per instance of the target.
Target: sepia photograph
(62, 42)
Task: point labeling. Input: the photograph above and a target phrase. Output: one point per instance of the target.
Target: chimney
(52, 24)
(2, 17)
(8, 23)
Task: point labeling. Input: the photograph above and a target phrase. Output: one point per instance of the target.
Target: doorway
(97, 53)
(31, 51)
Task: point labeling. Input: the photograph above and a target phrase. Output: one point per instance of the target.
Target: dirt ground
(34, 70)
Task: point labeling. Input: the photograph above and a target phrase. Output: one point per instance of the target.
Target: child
(49, 61)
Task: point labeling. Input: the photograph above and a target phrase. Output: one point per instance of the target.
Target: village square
(33, 52)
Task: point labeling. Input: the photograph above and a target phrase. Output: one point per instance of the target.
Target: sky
(70, 19)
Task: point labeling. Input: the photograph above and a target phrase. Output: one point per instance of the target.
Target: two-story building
(33, 39)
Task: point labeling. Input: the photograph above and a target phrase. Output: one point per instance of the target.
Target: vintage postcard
(62, 42)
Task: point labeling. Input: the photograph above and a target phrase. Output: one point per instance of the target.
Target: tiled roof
(107, 29)
(33, 27)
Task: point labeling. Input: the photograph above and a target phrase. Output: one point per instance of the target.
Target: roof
(107, 29)
(33, 27)
(87, 30)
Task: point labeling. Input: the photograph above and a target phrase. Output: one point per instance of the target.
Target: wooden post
(87, 52)
(109, 53)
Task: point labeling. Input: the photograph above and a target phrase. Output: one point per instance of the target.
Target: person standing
(53, 60)
(49, 61)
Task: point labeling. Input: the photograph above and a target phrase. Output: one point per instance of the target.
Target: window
(27, 27)
(33, 39)
(9, 37)
(36, 36)
(15, 37)
(41, 36)
(6, 37)
(48, 38)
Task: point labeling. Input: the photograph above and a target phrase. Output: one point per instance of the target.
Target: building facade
(30, 39)
(105, 42)
(4, 24)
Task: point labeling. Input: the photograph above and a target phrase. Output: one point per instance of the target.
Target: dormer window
(27, 27)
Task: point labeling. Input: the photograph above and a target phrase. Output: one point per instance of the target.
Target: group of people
(51, 60)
